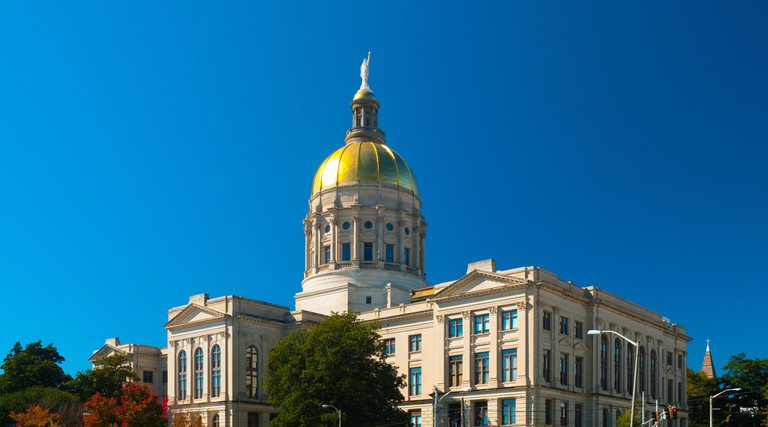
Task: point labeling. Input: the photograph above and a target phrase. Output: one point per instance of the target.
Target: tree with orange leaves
(35, 416)
(137, 406)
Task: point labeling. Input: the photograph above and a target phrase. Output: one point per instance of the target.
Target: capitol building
(495, 347)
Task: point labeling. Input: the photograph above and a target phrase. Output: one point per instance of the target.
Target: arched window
(606, 420)
(198, 373)
(604, 362)
(641, 368)
(617, 365)
(182, 383)
(215, 419)
(252, 371)
(653, 374)
(216, 373)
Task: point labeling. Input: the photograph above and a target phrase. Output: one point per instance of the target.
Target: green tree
(749, 406)
(106, 379)
(32, 366)
(338, 362)
(700, 387)
(67, 406)
(623, 420)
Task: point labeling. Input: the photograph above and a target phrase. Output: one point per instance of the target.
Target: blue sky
(156, 150)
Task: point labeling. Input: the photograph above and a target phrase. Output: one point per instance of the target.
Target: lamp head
(594, 332)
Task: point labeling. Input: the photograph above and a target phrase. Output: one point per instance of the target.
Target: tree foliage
(35, 416)
(338, 362)
(700, 387)
(136, 406)
(68, 406)
(749, 406)
(107, 379)
(32, 366)
(623, 420)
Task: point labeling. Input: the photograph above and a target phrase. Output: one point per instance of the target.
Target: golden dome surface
(364, 162)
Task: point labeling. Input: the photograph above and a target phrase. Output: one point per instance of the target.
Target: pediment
(477, 282)
(195, 314)
(103, 352)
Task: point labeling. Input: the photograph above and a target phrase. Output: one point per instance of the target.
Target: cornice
(263, 321)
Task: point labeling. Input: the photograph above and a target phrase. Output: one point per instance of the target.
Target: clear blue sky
(156, 150)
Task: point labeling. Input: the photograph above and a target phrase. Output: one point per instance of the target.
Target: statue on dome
(364, 71)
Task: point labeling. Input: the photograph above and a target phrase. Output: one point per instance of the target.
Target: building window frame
(578, 329)
(482, 324)
(564, 369)
(546, 361)
(414, 381)
(578, 372)
(482, 367)
(508, 411)
(252, 371)
(508, 320)
(455, 370)
(182, 375)
(455, 327)
(546, 321)
(563, 325)
(389, 346)
(480, 410)
(509, 364)
(199, 372)
(414, 343)
(216, 371)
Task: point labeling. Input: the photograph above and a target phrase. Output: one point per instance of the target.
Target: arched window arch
(604, 362)
(215, 419)
(653, 374)
(252, 371)
(198, 373)
(617, 365)
(216, 372)
(641, 368)
(182, 380)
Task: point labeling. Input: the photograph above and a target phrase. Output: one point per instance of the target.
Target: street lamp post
(437, 401)
(337, 410)
(718, 394)
(634, 377)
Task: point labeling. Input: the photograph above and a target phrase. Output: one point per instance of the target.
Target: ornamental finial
(364, 72)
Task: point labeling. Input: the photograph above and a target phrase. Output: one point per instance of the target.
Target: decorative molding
(465, 314)
(523, 305)
(493, 310)
(440, 318)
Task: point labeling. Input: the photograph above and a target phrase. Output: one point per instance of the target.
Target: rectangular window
(481, 413)
(327, 250)
(165, 377)
(680, 361)
(669, 358)
(390, 253)
(563, 325)
(455, 328)
(389, 346)
(563, 369)
(367, 251)
(680, 394)
(414, 342)
(368, 299)
(563, 413)
(482, 324)
(147, 377)
(509, 320)
(455, 367)
(416, 419)
(578, 329)
(406, 256)
(509, 364)
(455, 414)
(346, 251)
(670, 397)
(546, 363)
(578, 369)
(253, 419)
(481, 368)
(414, 382)
(508, 409)
(577, 415)
(546, 321)
(548, 411)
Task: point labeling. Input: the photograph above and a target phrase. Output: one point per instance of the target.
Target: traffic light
(672, 412)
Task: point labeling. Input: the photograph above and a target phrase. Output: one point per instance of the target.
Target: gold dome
(364, 162)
